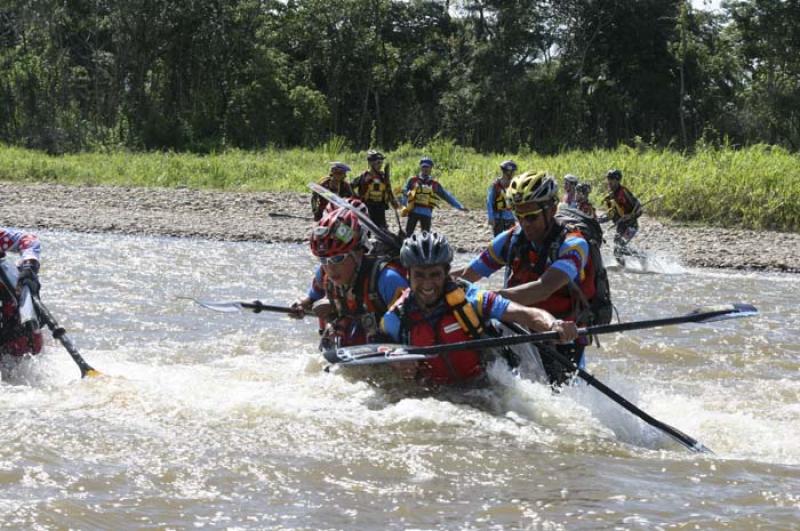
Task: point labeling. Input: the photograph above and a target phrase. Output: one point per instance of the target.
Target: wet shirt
(487, 304)
(571, 258)
(26, 244)
(438, 189)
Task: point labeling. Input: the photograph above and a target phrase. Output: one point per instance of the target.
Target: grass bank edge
(757, 187)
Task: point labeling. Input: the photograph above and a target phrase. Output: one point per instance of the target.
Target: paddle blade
(218, 306)
(92, 373)
(724, 312)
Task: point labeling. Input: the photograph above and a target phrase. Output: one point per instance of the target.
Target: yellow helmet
(532, 187)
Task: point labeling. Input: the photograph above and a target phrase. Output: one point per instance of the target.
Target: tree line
(494, 75)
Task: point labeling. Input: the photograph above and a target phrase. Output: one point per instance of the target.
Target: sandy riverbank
(241, 216)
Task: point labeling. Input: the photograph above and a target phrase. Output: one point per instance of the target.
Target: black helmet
(614, 174)
(426, 249)
(374, 155)
(584, 188)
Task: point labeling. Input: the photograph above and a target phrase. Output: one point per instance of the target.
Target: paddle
(61, 335)
(238, 306)
(385, 236)
(689, 442)
(707, 314)
(285, 215)
(386, 170)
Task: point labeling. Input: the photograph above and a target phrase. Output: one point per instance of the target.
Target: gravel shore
(267, 217)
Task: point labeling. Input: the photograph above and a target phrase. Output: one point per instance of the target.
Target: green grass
(756, 187)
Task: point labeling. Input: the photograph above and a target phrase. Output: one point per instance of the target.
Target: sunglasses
(526, 211)
(333, 260)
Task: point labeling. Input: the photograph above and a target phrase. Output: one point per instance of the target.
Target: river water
(212, 420)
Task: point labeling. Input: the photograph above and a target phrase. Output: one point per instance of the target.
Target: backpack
(601, 307)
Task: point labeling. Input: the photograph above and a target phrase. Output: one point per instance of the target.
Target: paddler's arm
(486, 263)
(528, 294)
(538, 320)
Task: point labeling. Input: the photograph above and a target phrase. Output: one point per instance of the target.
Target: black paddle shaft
(61, 335)
(727, 311)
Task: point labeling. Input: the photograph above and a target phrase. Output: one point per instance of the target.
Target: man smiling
(436, 310)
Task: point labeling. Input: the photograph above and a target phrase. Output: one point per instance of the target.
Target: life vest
(524, 264)
(500, 203)
(457, 322)
(359, 309)
(424, 192)
(373, 188)
(620, 202)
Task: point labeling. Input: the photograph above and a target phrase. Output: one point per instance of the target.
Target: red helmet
(338, 232)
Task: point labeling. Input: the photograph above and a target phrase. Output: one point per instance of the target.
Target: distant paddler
(435, 310)
(624, 210)
(374, 189)
(336, 182)
(421, 194)
(501, 217)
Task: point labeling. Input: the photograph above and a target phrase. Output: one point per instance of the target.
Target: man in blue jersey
(547, 264)
(435, 311)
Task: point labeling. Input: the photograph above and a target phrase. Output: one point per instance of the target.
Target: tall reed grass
(756, 187)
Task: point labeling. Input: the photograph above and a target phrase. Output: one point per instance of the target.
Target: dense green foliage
(712, 185)
(494, 75)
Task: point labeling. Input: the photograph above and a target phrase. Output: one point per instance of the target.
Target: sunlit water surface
(230, 421)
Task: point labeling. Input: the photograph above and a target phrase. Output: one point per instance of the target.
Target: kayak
(370, 360)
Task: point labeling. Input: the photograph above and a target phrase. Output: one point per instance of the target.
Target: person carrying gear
(547, 263)
(421, 195)
(435, 310)
(359, 287)
(17, 337)
(570, 186)
(582, 192)
(336, 182)
(500, 214)
(623, 209)
(374, 188)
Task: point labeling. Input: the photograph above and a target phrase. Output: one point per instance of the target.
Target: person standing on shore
(435, 310)
(570, 185)
(336, 182)
(15, 337)
(547, 264)
(624, 210)
(582, 192)
(501, 217)
(374, 189)
(421, 195)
